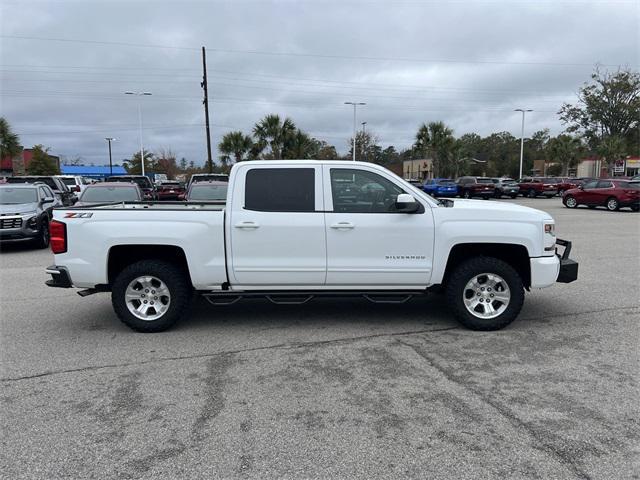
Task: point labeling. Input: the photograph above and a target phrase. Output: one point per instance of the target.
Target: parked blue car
(441, 187)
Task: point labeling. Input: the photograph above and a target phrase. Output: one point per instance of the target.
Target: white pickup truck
(293, 230)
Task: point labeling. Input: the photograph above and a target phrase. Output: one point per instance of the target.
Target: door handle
(246, 225)
(345, 225)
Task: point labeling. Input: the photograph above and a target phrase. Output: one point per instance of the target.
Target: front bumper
(545, 271)
(568, 268)
(20, 232)
(59, 277)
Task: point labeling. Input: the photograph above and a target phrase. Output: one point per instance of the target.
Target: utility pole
(203, 84)
(110, 139)
(355, 104)
(522, 137)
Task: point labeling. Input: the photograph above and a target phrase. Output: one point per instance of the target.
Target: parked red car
(566, 183)
(609, 193)
(170, 190)
(535, 186)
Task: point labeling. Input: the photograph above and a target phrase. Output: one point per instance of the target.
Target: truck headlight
(550, 229)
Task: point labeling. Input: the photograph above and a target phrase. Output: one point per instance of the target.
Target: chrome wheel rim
(486, 296)
(147, 298)
(612, 204)
(571, 202)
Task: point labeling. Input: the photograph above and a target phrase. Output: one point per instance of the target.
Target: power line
(309, 55)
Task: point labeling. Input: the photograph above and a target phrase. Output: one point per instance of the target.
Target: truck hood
(492, 209)
(17, 208)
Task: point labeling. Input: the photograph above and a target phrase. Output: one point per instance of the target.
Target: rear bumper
(59, 277)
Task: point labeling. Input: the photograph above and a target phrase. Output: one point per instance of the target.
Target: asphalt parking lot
(332, 388)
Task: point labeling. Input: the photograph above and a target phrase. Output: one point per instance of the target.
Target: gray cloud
(468, 63)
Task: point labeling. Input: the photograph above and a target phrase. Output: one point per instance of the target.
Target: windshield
(143, 182)
(69, 182)
(110, 194)
(446, 182)
(208, 192)
(633, 184)
(13, 196)
(218, 177)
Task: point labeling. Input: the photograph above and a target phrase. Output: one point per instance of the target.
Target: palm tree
(435, 140)
(9, 141)
(235, 145)
(273, 131)
(566, 150)
(300, 146)
(612, 148)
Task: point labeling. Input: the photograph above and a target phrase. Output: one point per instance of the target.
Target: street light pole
(139, 94)
(355, 104)
(522, 137)
(364, 151)
(110, 139)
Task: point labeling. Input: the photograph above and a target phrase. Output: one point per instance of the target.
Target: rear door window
(604, 184)
(280, 190)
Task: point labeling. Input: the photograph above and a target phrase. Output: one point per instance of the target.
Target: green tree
(326, 151)
(608, 107)
(612, 148)
(133, 165)
(436, 140)
(565, 150)
(300, 146)
(275, 132)
(235, 145)
(41, 162)
(9, 141)
(183, 164)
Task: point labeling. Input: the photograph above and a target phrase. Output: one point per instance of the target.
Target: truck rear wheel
(151, 295)
(485, 293)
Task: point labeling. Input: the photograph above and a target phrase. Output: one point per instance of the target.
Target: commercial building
(19, 164)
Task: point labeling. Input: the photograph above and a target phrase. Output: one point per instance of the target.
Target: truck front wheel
(485, 293)
(151, 295)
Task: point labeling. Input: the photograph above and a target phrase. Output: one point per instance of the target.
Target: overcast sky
(467, 63)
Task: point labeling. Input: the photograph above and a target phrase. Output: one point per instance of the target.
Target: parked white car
(293, 230)
(76, 183)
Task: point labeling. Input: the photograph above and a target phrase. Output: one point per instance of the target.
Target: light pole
(522, 137)
(355, 105)
(364, 145)
(109, 140)
(140, 94)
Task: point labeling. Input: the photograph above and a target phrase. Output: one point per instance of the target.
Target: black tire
(173, 277)
(612, 204)
(463, 273)
(466, 194)
(570, 201)
(513, 195)
(531, 193)
(634, 208)
(42, 240)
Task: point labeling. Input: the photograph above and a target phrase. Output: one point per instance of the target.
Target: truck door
(276, 234)
(370, 243)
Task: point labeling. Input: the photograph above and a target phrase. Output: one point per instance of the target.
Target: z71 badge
(78, 215)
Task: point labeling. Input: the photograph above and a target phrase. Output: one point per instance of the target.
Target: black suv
(66, 196)
(148, 190)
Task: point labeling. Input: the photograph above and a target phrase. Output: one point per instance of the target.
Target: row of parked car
(27, 202)
(612, 193)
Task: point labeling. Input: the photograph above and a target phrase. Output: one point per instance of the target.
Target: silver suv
(25, 211)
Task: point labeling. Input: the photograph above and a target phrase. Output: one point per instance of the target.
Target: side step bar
(225, 298)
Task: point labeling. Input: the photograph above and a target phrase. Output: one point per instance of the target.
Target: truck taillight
(58, 236)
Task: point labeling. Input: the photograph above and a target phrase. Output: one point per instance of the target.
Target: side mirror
(48, 200)
(405, 203)
(581, 187)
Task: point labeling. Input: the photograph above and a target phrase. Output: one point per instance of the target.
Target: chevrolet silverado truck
(289, 231)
